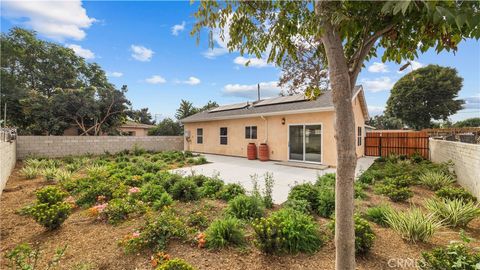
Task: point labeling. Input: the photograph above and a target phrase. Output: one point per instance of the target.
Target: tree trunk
(346, 155)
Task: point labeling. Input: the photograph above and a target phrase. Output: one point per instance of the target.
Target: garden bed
(93, 242)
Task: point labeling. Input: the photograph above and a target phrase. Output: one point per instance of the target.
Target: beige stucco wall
(7, 161)
(359, 122)
(466, 158)
(137, 131)
(277, 138)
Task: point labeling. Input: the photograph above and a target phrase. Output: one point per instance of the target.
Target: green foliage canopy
(425, 94)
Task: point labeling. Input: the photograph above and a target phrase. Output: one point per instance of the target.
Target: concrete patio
(239, 170)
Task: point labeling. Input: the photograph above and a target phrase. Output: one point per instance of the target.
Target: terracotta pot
(263, 154)
(252, 151)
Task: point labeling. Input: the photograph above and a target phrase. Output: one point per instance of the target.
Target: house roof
(274, 106)
(132, 124)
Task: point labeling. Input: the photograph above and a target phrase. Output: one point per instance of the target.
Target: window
(359, 136)
(223, 135)
(251, 132)
(199, 135)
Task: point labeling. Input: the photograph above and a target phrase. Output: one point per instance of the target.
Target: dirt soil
(95, 244)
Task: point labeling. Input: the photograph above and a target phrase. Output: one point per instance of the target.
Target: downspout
(266, 129)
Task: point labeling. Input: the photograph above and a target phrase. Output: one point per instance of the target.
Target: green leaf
(405, 5)
(460, 20)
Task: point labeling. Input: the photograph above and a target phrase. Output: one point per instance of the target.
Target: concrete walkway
(239, 170)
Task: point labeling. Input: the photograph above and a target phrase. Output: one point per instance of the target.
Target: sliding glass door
(305, 143)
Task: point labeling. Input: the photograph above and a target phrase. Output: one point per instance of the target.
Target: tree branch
(360, 55)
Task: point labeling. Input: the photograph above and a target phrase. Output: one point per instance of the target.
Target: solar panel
(279, 100)
(230, 107)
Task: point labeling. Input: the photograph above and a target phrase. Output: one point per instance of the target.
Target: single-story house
(129, 128)
(132, 128)
(294, 128)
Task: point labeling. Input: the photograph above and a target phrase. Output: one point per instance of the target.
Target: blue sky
(147, 46)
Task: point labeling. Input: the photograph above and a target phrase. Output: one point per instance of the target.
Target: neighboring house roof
(132, 124)
(275, 106)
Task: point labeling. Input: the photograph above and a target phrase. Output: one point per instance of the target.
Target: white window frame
(249, 133)
(223, 136)
(200, 135)
(359, 135)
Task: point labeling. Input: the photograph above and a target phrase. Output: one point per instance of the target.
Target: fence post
(380, 145)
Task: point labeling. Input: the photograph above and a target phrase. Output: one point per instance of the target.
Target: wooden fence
(401, 143)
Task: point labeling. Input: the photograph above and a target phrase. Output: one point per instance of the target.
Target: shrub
(267, 192)
(416, 157)
(185, 190)
(367, 177)
(156, 233)
(453, 212)
(453, 256)
(30, 172)
(49, 173)
(452, 193)
(167, 180)
(118, 210)
(49, 209)
(378, 214)
(326, 201)
(164, 200)
(224, 232)
(394, 193)
(413, 225)
(364, 235)
(87, 190)
(25, 258)
(435, 180)
(306, 192)
(197, 219)
(287, 231)
(298, 205)
(230, 191)
(210, 187)
(245, 207)
(175, 264)
(63, 175)
(151, 192)
(199, 179)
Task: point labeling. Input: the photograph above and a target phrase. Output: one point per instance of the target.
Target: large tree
(470, 122)
(426, 94)
(185, 109)
(38, 78)
(385, 121)
(349, 33)
(166, 127)
(141, 116)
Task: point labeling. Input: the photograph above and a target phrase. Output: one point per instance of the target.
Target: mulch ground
(95, 244)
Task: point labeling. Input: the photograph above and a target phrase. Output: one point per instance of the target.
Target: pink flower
(135, 234)
(133, 190)
(101, 207)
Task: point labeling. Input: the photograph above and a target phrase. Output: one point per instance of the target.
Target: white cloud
(156, 79)
(413, 65)
(192, 81)
(378, 67)
(85, 53)
(58, 20)
(252, 62)
(141, 53)
(221, 47)
(115, 74)
(267, 89)
(213, 53)
(177, 28)
(375, 110)
(378, 84)
(472, 102)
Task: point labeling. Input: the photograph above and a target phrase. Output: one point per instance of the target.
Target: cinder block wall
(466, 158)
(61, 146)
(7, 161)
